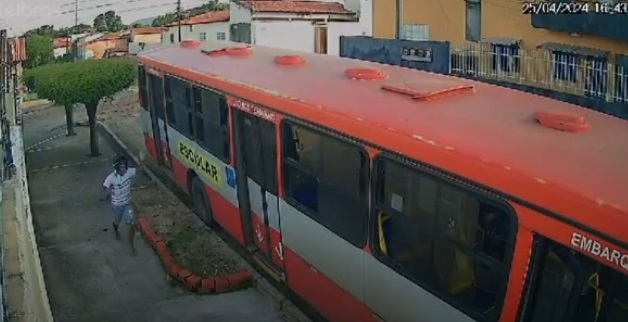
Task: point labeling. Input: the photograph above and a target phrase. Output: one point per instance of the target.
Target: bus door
(157, 116)
(256, 143)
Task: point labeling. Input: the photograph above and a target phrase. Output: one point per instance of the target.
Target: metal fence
(587, 76)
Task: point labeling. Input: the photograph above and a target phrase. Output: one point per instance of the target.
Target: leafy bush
(86, 81)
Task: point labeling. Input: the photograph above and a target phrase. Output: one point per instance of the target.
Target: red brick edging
(195, 283)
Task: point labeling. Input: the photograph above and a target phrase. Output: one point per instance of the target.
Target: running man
(117, 187)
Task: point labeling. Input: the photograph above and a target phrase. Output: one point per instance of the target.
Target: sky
(22, 15)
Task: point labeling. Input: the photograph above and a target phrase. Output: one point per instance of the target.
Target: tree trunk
(69, 119)
(93, 136)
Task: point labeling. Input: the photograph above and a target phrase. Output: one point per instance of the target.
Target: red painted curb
(222, 284)
(193, 282)
(208, 286)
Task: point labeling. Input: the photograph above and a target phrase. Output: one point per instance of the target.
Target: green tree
(88, 82)
(79, 29)
(45, 30)
(108, 22)
(39, 49)
(172, 17)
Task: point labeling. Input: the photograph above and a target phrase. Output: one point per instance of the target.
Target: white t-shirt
(120, 186)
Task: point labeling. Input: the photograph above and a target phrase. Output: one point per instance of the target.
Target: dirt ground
(195, 246)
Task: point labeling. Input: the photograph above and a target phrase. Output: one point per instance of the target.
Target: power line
(100, 6)
(142, 8)
(87, 18)
(68, 4)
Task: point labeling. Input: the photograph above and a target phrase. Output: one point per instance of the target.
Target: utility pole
(75, 46)
(399, 16)
(67, 41)
(179, 18)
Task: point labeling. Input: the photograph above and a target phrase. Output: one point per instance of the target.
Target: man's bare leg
(132, 239)
(116, 231)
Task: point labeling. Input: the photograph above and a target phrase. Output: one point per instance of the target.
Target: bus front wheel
(202, 207)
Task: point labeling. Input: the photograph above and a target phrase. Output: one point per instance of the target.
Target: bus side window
(442, 237)
(567, 286)
(211, 111)
(618, 312)
(326, 177)
(178, 109)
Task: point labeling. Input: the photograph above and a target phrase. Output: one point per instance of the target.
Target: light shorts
(123, 213)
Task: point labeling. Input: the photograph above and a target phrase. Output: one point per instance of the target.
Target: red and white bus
(382, 193)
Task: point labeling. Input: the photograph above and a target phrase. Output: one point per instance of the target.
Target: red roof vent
(365, 73)
(290, 60)
(562, 122)
(239, 51)
(429, 96)
(190, 43)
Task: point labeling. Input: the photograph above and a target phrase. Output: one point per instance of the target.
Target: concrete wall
(27, 297)
(136, 48)
(291, 35)
(150, 38)
(59, 52)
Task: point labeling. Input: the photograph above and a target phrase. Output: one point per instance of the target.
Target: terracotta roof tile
(146, 30)
(315, 7)
(209, 17)
(62, 43)
(114, 36)
(111, 36)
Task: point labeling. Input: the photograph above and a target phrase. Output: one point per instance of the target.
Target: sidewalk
(92, 277)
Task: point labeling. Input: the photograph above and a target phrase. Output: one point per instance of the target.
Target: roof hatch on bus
(229, 51)
(422, 91)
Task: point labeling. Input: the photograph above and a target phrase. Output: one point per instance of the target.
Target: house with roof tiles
(146, 35)
(311, 26)
(61, 46)
(207, 26)
(114, 41)
(144, 38)
(83, 51)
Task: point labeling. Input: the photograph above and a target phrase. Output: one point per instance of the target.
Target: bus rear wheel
(202, 206)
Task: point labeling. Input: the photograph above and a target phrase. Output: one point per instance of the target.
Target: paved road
(89, 275)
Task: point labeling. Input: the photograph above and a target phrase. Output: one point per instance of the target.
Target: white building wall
(301, 35)
(59, 52)
(293, 35)
(337, 29)
(212, 31)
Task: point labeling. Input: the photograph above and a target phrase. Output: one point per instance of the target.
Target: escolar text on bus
(595, 248)
(204, 165)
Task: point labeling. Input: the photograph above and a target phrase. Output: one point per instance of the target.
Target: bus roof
(488, 127)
